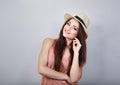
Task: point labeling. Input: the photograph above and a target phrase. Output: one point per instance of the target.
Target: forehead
(74, 22)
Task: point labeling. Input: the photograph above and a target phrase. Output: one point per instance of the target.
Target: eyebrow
(69, 22)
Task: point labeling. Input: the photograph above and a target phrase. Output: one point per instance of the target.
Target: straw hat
(82, 18)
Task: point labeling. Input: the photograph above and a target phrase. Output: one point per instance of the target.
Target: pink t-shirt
(63, 69)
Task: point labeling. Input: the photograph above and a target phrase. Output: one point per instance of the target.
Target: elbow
(75, 79)
(40, 70)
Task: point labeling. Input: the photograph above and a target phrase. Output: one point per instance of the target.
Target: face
(70, 29)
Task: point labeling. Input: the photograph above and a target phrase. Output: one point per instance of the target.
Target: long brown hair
(61, 44)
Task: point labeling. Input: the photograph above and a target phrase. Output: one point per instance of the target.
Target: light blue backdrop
(25, 23)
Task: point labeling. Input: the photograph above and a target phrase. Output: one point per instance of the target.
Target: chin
(69, 38)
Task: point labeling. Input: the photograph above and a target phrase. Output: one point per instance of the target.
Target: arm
(76, 70)
(42, 63)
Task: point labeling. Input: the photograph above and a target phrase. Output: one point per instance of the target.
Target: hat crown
(84, 18)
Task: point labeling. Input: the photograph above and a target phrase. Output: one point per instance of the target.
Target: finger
(74, 44)
(77, 40)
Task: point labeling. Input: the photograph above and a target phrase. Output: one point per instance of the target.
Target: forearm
(75, 72)
(52, 73)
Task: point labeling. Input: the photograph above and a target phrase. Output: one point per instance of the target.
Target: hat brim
(68, 16)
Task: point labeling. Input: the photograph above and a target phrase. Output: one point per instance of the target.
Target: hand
(69, 80)
(76, 45)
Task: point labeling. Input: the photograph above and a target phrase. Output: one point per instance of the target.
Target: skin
(70, 31)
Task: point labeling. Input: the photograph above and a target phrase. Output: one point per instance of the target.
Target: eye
(75, 28)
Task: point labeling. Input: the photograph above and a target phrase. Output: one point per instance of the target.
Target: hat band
(81, 20)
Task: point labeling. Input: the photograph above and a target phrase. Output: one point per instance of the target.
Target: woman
(61, 60)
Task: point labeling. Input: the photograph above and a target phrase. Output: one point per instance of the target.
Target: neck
(68, 43)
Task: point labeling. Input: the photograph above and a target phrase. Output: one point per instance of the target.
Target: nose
(69, 28)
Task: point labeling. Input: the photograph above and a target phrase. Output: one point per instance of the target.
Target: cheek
(64, 28)
(75, 34)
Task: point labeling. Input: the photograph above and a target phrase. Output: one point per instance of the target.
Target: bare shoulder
(48, 42)
(49, 39)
